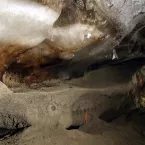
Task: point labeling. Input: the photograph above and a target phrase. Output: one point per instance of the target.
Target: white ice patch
(89, 35)
(115, 56)
(74, 36)
(24, 22)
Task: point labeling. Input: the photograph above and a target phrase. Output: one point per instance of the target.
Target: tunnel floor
(96, 131)
(103, 134)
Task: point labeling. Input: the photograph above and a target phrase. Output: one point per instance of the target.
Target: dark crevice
(73, 127)
(7, 133)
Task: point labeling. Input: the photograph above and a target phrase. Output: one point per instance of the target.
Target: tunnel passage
(50, 63)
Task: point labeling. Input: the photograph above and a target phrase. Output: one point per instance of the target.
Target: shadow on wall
(87, 109)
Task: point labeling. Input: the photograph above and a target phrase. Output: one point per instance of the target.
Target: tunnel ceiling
(79, 31)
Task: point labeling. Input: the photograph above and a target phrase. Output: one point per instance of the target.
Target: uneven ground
(106, 134)
(90, 92)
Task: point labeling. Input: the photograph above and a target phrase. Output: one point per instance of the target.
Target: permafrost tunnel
(72, 72)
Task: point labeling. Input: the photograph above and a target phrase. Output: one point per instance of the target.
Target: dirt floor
(104, 134)
(52, 110)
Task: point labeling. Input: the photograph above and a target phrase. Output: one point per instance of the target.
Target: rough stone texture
(4, 89)
(48, 106)
(49, 110)
(123, 12)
